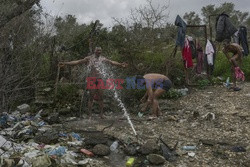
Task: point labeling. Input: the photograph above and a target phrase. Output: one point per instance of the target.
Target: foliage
(67, 94)
(222, 66)
(246, 67)
(171, 94)
(203, 83)
(192, 18)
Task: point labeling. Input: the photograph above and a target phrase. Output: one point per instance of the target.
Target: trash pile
(27, 140)
(33, 140)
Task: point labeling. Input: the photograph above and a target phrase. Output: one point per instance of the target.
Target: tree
(192, 18)
(19, 52)
(145, 31)
(8, 12)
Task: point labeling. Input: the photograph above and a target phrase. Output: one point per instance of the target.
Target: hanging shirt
(182, 26)
(236, 37)
(187, 54)
(243, 39)
(209, 52)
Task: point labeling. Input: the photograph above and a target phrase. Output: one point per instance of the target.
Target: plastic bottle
(227, 82)
(188, 148)
(114, 146)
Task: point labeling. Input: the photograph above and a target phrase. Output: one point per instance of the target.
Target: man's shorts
(167, 84)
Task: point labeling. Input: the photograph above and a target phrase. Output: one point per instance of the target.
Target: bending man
(156, 85)
(236, 50)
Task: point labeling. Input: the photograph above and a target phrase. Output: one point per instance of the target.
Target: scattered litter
(114, 146)
(140, 114)
(238, 149)
(183, 91)
(58, 151)
(130, 162)
(168, 153)
(209, 116)
(23, 108)
(191, 154)
(189, 148)
(85, 161)
(76, 136)
(87, 152)
(43, 161)
(68, 158)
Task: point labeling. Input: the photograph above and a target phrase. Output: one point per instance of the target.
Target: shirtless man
(156, 85)
(236, 50)
(94, 61)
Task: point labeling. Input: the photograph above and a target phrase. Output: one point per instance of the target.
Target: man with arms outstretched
(94, 61)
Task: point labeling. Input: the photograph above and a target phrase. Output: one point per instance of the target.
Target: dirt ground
(214, 120)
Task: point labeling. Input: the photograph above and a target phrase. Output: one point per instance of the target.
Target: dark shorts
(167, 84)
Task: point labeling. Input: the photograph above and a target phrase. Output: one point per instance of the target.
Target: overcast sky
(104, 10)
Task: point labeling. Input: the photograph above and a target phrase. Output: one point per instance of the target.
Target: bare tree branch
(22, 6)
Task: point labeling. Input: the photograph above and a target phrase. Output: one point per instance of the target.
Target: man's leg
(234, 59)
(234, 64)
(233, 76)
(186, 76)
(155, 106)
(90, 102)
(150, 99)
(143, 99)
(100, 101)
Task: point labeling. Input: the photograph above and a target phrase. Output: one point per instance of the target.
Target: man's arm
(76, 62)
(225, 51)
(116, 63)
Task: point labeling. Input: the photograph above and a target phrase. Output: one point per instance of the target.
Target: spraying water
(102, 69)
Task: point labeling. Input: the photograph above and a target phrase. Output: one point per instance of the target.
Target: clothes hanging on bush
(210, 53)
(182, 26)
(192, 46)
(236, 37)
(214, 56)
(243, 39)
(187, 54)
(200, 58)
(224, 28)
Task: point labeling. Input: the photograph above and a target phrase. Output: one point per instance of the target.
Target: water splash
(102, 69)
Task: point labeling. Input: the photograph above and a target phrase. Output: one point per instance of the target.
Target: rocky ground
(214, 122)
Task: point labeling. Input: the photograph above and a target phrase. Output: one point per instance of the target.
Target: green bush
(246, 67)
(222, 66)
(203, 83)
(171, 94)
(67, 94)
